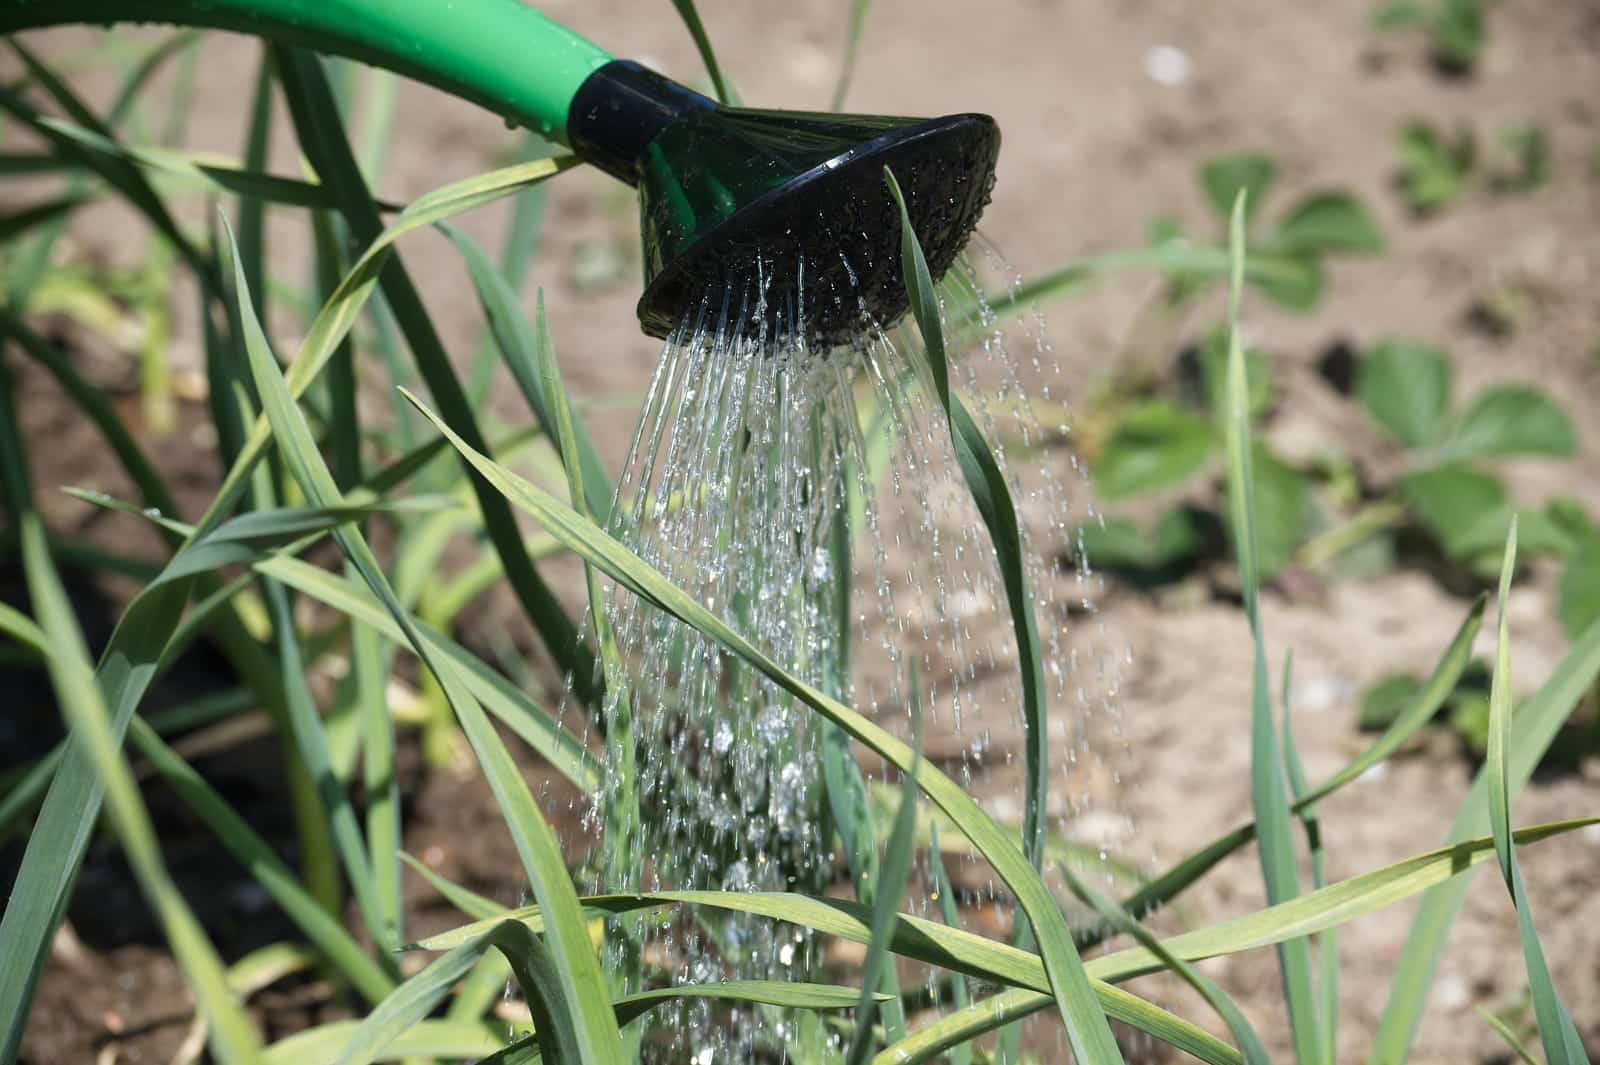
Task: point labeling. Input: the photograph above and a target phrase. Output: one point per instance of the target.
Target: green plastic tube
(496, 53)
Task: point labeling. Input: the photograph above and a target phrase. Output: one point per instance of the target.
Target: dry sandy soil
(1094, 148)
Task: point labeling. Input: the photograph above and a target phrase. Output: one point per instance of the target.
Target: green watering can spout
(783, 214)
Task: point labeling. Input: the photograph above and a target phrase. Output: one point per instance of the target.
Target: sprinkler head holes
(784, 212)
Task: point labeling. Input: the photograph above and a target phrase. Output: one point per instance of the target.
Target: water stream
(755, 458)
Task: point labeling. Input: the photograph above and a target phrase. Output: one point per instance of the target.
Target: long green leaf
(1532, 731)
(1269, 793)
(1332, 906)
(206, 172)
(521, 346)
(451, 1039)
(409, 1003)
(536, 843)
(261, 861)
(96, 747)
(140, 647)
(1562, 1044)
(323, 139)
(1245, 1035)
(852, 45)
(893, 871)
(1086, 1027)
(1421, 710)
(956, 1029)
(961, 996)
(691, 20)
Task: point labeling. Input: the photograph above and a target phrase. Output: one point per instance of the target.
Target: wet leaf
(1330, 223)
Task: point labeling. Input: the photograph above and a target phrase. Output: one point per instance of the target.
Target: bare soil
(1094, 149)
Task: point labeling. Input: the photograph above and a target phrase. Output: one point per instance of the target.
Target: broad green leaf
(1118, 544)
(1281, 497)
(1578, 601)
(1225, 177)
(1385, 700)
(1155, 445)
(1399, 15)
(1329, 223)
(1296, 280)
(1434, 173)
(1452, 503)
(1405, 386)
(1512, 420)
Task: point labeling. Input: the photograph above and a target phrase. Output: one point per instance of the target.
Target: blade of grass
(1532, 731)
(961, 997)
(522, 239)
(578, 969)
(1249, 1042)
(132, 88)
(893, 872)
(519, 343)
(1071, 987)
(1562, 1044)
(468, 902)
(623, 859)
(265, 867)
(986, 483)
(96, 746)
(202, 171)
(325, 145)
(16, 223)
(137, 651)
(1327, 942)
(232, 1037)
(852, 44)
(336, 316)
(1269, 795)
(448, 1039)
(960, 951)
(1372, 891)
(409, 1003)
(726, 93)
(1421, 710)
(961, 1027)
(1503, 1030)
